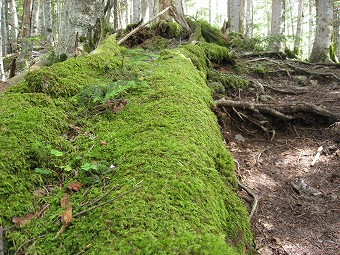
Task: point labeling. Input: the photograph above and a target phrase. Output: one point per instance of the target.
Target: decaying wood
(142, 26)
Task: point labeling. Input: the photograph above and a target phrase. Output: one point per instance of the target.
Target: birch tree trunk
(2, 73)
(324, 29)
(277, 24)
(233, 15)
(249, 19)
(80, 19)
(4, 26)
(14, 25)
(136, 11)
(297, 42)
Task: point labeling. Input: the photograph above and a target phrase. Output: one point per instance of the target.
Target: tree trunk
(81, 19)
(48, 21)
(144, 9)
(4, 26)
(297, 42)
(35, 17)
(25, 32)
(249, 19)
(178, 15)
(277, 24)
(2, 72)
(233, 15)
(115, 15)
(337, 27)
(14, 25)
(136, 11)
(324, 29)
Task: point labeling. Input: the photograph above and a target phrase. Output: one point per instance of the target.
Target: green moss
(68, 77)
(168, 29)
(211, 34)
(228, 80)
(166, 138)
(217, 54)
(29, 124)
(155, 43)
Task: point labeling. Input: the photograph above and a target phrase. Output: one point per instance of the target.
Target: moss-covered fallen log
(164, 137)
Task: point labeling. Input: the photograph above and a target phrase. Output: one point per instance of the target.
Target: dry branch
(142, 25)
(253, 195)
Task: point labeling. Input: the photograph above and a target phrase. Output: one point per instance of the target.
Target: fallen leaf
(20, 221)
(65, 203)
(74, 186)
(103, 143)
(39, 193)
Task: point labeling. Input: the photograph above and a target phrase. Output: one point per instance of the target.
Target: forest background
(303, 28)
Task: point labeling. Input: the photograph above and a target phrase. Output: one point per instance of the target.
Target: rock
(239, 138)
(313, 82)
(265, 98)
(301, 79)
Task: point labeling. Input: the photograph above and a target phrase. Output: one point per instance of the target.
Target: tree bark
(277, 24)
(136, 11)
(249, 19)
(324, 30)
(25, 32)
(14, 25)
(297, 42)
(2, 72)
(80, 19)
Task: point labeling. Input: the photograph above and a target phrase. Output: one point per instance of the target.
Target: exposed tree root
(263, 114)
(253, 195)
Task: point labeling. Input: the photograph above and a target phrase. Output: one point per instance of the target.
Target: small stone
(301, 79)
(313, 82)
(265, 98)
(240, 138)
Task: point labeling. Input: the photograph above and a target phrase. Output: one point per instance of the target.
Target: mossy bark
(165, 139)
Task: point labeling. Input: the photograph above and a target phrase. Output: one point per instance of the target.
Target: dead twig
(317, 156)
(253, 195)
(103, 196)
(26, 242)
(107, 202)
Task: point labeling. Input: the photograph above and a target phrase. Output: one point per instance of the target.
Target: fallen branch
(253, 195)
(26, 242)
(142, 26)
(107, 193)
(107, 202)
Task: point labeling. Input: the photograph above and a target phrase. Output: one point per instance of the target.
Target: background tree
(14, 25)
(324, 30)
(236, 15)
(277, 24)
(297, 42)
(2, 72)
(25, 31)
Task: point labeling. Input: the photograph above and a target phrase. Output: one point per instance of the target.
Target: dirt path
(298, 211)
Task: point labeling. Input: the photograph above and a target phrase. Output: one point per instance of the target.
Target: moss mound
(164, 138)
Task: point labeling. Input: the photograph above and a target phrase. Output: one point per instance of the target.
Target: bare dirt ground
(298, 209)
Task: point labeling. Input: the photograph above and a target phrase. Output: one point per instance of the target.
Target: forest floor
(298, 208)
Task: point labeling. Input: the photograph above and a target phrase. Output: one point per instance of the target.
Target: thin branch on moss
(103, 196)
(253, 195)
(26, 242)
(107, 202)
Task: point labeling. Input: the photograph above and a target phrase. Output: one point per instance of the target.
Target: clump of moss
(167, 29)
(228, 80)
(217, 54)
(155, 43)
(68, 77)
(208, 32)
(197, 56)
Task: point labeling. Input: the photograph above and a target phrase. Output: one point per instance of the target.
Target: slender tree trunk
(14, 25)
(209, 9)
(277, 24)
(35, 17)
(25, 31)
(145, 9)
(324, 30)
(311, 31)
(337, 27)
(48, 21)
(249, 19)
(297, 42)
(2, 72)
(4, 26)
(115, 15)
(151, 3)
(136, 11)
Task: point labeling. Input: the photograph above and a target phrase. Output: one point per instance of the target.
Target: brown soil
(289, 219)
